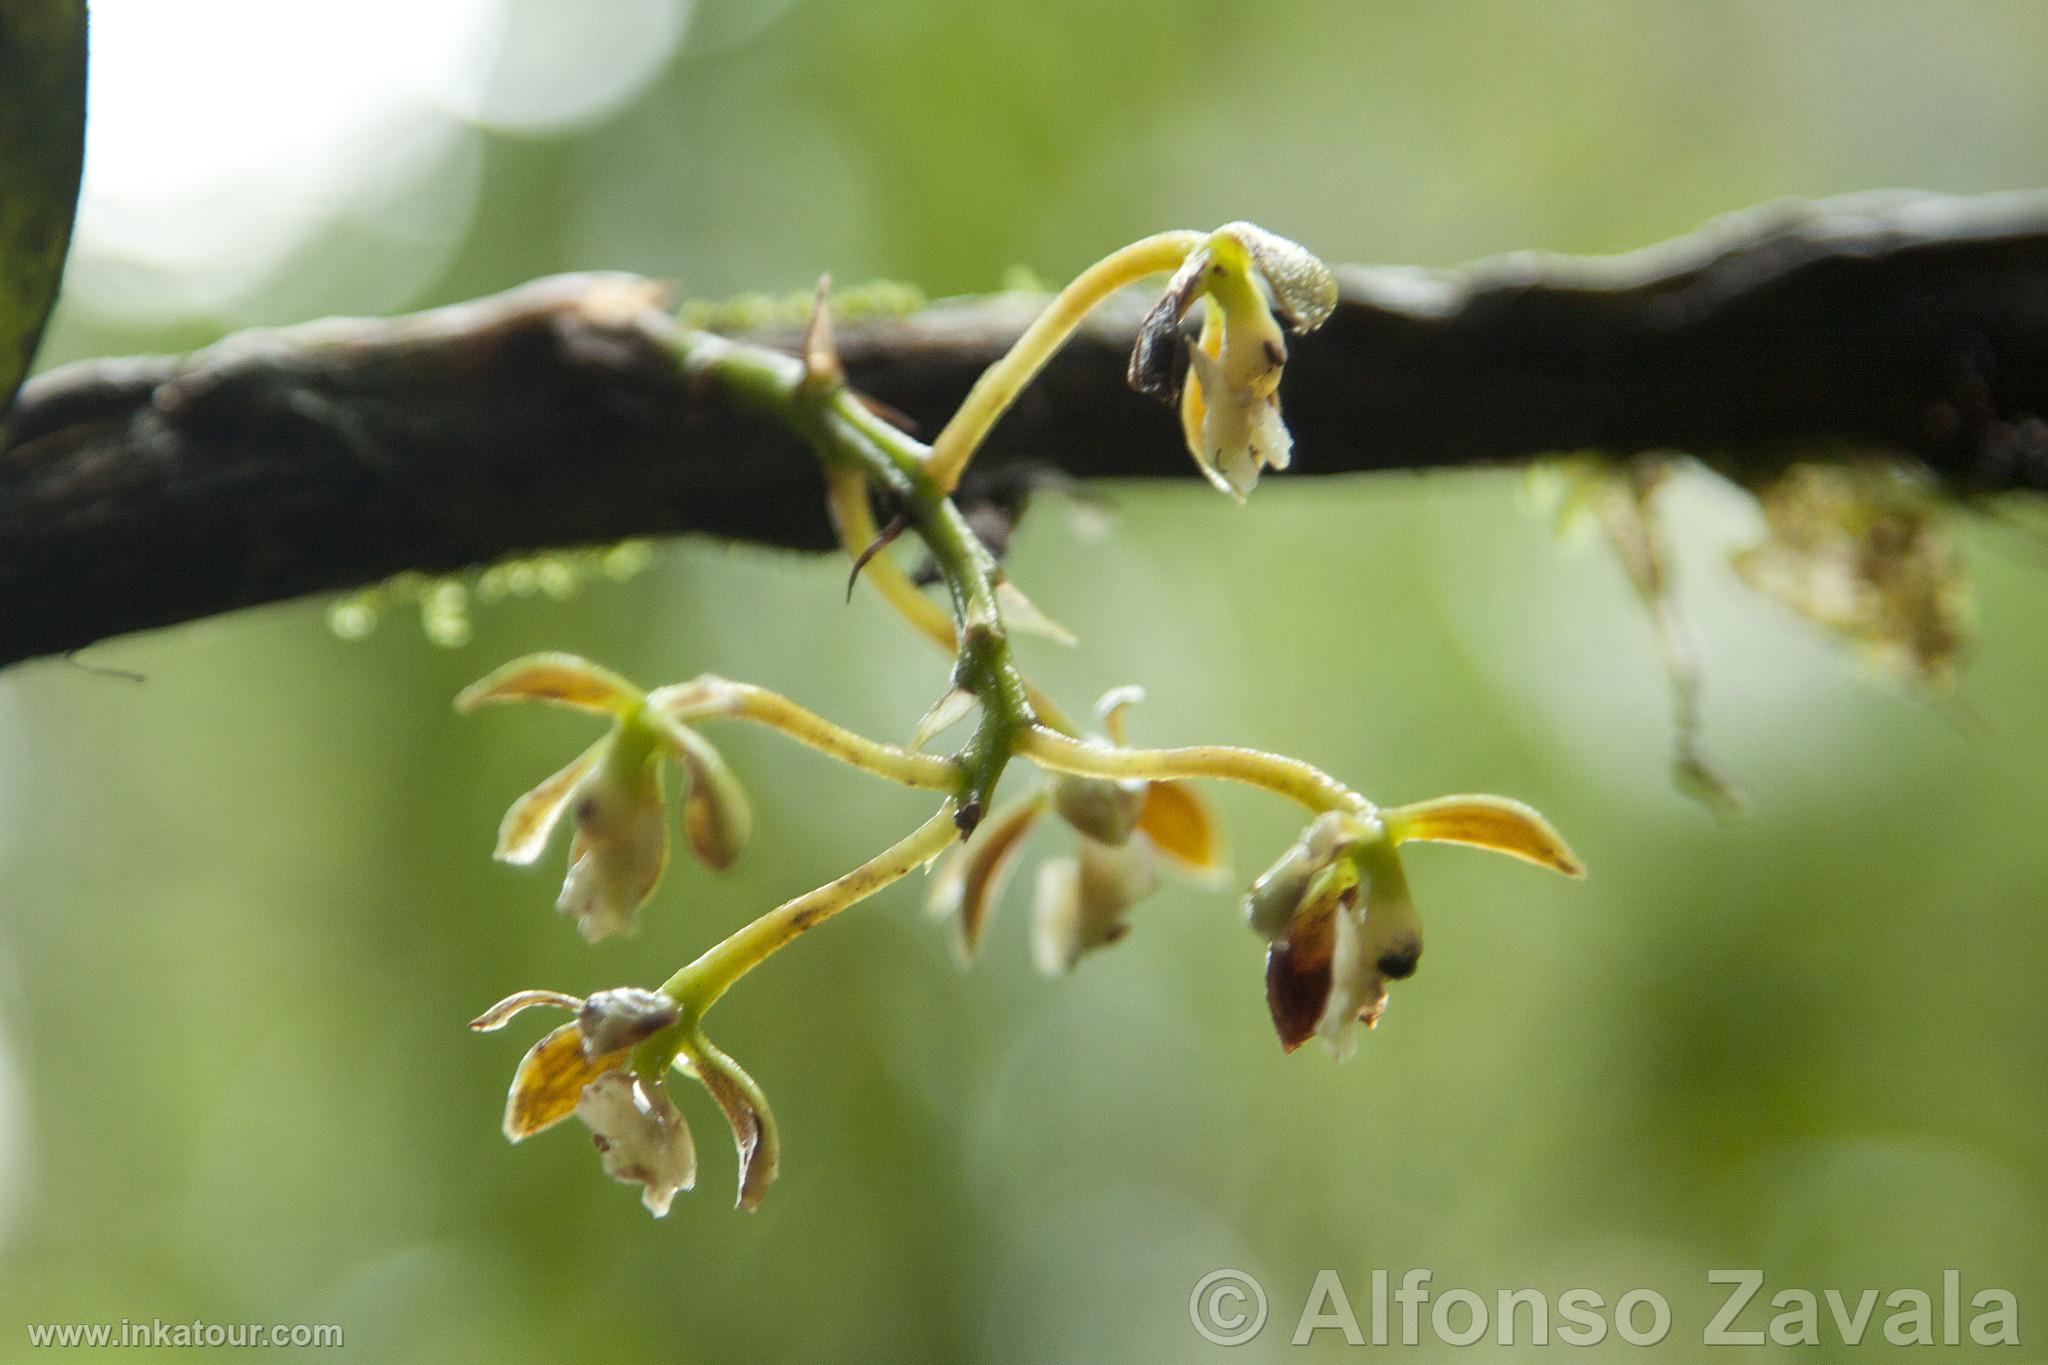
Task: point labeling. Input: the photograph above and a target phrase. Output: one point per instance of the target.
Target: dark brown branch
(143, 492)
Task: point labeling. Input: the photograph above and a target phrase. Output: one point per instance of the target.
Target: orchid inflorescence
(1334, 910)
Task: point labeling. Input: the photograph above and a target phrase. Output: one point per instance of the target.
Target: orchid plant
(1334, 910)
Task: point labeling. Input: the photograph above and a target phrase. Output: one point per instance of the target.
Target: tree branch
(142, 492)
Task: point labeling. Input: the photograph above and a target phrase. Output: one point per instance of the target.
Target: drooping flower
(1227, 381)
(552, 1074)
(587, 1068)
(1337, 916)
(613, 791)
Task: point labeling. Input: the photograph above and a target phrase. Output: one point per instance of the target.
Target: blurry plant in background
(1801, 1041)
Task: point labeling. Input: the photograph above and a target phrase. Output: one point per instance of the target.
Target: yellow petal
(1491, 822)
(1180, 825)
(562, 679)
(970, 882)
(523, 833)
(718, 820)
(550, 1080)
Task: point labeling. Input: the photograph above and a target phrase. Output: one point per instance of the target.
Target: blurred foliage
(249, 904)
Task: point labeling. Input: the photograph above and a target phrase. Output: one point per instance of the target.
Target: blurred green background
(248, 903)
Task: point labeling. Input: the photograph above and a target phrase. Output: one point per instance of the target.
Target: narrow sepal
(969, 883)
(1111, 705)
(563, 679)
(523, 833)
(1158, 360)
(746, 1110)
(1498, 823)
(945, 713)
(501, 1014)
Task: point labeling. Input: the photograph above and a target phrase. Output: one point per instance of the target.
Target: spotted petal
(550, 1079)
(640, 1136)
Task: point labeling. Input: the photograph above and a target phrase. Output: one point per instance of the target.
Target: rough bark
(141, 492)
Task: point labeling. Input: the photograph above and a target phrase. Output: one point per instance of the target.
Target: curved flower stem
(711, 697)
(820, 407)
(847, 495)
(846, 492)
(698, 986)
(1289, 777)
(1001, 382)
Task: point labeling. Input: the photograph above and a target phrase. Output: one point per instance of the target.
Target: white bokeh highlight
(227, 138)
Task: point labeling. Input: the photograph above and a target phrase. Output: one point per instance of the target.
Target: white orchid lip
(641, 1137)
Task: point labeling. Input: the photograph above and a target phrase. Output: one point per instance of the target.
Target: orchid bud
(1103, 809)
(1274, 898)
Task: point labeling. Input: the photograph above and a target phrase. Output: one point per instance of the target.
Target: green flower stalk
(1335, 911)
